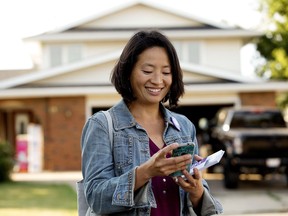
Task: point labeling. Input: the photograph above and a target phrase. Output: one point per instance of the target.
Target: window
(55, 55)
(74, 53)
(178, 47)
(63, 54)
(258, 119)
(194, 52)
(188, 51)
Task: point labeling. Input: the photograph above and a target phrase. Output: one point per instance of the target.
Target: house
(72, 82)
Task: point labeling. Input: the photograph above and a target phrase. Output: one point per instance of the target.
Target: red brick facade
(62, 121)
(63, 126)
(258, 99)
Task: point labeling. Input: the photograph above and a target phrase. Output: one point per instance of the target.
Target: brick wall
(62, 120)
(258, 99)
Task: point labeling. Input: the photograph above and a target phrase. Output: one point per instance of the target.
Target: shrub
(6, 161)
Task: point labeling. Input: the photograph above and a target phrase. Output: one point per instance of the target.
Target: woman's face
(151, 77)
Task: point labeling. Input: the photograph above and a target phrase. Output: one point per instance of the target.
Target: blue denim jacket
(109, 173)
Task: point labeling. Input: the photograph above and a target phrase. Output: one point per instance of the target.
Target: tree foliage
(273, 46)
(6, 161)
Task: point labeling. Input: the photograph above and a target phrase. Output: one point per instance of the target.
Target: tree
(273, 46)
(6, 161)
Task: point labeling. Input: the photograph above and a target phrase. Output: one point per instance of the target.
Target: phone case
(182, 150)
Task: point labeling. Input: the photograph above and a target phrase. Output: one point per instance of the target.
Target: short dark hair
(138, 43)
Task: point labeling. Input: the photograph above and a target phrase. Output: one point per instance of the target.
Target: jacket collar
(122, 117)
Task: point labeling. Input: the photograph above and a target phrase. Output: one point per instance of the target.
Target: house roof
(28, 84)
(25, 79)
(219, 73)
(152, 4)
(53, 72)
(125, 35)
(81, 30)
(109, 90)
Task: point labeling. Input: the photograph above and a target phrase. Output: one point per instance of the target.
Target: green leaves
(274, 45)
(6, 161)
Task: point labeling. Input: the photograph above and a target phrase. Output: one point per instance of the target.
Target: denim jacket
(109, 171)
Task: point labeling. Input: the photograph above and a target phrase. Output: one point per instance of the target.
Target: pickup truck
(255, 140)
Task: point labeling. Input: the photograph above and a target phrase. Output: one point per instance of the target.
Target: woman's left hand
(192, 184)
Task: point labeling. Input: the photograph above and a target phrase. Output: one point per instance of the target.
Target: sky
(24, 18)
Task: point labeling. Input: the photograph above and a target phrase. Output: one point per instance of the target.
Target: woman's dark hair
(136, 45)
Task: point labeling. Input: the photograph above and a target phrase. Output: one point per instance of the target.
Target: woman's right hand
(161, 164)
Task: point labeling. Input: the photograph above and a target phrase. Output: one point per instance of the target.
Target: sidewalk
(62, 177)
(246, 201)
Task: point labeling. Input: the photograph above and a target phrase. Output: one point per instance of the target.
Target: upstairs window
(74, 53)
(55, 55)
(188, 51)
(193, 52)
(63, 54)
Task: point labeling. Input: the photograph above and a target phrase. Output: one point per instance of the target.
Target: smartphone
(183, 149)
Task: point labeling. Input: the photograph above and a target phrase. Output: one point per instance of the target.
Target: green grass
(27, 198)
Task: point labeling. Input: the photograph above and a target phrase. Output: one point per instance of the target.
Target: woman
(132, 177)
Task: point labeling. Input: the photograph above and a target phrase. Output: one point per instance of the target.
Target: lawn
(30, 199)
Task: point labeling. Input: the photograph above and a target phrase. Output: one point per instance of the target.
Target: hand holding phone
(183, 149)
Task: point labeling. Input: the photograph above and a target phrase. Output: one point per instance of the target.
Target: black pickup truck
(255, 140)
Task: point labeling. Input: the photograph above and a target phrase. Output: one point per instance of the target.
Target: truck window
(262, 119)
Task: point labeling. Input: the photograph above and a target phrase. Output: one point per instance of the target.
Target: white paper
(208, 161)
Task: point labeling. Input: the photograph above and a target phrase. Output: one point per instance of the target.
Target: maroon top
(166, 192)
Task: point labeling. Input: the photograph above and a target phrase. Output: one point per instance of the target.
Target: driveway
(255, 197)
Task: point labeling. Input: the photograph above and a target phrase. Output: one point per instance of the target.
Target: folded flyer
(208, 161)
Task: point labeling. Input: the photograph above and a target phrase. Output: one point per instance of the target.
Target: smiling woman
(134, 176)
(152, 78)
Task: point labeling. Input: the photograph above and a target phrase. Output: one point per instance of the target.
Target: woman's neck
(145, 113)
(151, 119)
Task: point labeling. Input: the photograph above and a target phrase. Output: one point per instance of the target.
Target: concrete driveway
(255, 197)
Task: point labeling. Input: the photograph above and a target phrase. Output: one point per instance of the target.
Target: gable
(99, 75)
(96, 72)
(140, 16)
(96, 75)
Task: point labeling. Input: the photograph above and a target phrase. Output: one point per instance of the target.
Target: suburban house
(52, 102)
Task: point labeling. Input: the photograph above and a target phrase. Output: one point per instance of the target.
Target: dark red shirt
(166, 192)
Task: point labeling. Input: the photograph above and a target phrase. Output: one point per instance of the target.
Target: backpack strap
(110, 126)
(82, 206)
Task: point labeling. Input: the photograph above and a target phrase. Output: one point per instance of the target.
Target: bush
(6, 161)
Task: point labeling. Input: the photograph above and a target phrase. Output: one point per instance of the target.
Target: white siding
(222, 54)
(98, 48)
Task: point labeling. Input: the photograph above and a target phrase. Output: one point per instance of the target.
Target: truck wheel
(231, 175)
